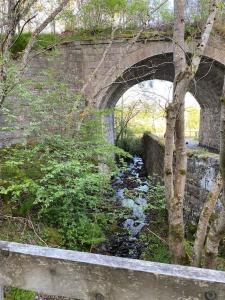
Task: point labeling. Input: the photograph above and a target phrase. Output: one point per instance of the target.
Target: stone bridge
(106, 70)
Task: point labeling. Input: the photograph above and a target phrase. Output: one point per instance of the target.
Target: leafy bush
(156, 250)
(155, 234)
(156, 196)
(130, 143)
(62, 181)
(20, 42)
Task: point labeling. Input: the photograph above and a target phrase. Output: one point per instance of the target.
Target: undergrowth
(58, 183)
(154, 235)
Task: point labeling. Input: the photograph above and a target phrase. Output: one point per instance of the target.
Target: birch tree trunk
(204, 221)
(215, 235)
(175, 177)
(175, 183)
(217, 230)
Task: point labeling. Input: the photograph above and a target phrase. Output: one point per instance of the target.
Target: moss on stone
(201, 152)
(168, 172)
(176, 232)
(222, 99)
(182, 172)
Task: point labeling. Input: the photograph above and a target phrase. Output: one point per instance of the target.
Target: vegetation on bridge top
(50, 40)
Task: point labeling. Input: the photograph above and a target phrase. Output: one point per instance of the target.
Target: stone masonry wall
(209, 131)
(201, 173)
(74, 62)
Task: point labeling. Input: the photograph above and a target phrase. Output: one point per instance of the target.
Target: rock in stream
(129, 182)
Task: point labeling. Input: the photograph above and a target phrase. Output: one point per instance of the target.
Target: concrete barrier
(88, 276)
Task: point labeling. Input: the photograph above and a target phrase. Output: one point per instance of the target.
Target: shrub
(44, 40)
(60, 181)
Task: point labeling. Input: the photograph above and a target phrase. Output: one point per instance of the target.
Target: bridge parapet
(89, 276)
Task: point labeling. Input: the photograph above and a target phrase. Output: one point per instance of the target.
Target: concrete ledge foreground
(88, 276)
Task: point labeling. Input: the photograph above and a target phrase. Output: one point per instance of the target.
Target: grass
(18, 294)
(201, 152)
(155, 234)
(18, 231)
(156, 249)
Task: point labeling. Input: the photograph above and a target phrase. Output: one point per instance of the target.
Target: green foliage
(98, 14)
(44, 40)
(164, 14)
(188, 247)
(65, 177)
(20, 43)
(155, 234)
(193, 118)
(156, 196)
(130, 143)
(156, 250)
(62, 180)
(18, 294)
(132, 119)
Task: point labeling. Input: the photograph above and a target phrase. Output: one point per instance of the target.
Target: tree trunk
(184, 73)
(175, 126)
(175, 123)
(217, 230)
(204, 221)
(215, 235)
(175, 187)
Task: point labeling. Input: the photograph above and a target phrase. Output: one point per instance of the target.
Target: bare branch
(39, 29)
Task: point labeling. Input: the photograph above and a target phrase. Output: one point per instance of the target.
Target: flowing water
(126, 243)
(132, 180)
(131, 187)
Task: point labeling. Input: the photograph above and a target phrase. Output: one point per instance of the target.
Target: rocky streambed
(131, 188)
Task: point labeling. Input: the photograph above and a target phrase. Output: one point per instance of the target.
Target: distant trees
(192, 118)
(97, 15)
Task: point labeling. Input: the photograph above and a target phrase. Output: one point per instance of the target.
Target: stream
(131, 187)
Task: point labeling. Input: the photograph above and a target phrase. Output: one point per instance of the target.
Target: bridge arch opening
(206, 89)
(142, 109)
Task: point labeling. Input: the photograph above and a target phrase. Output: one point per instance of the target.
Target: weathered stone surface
(89, 276)
(126, 65)
(153, 152)
(1, 293)
(201, 174)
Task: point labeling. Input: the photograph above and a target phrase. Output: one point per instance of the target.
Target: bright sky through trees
(158, 90)
(153, 97)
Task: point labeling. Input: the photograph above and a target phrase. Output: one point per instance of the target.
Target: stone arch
(207, 89)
